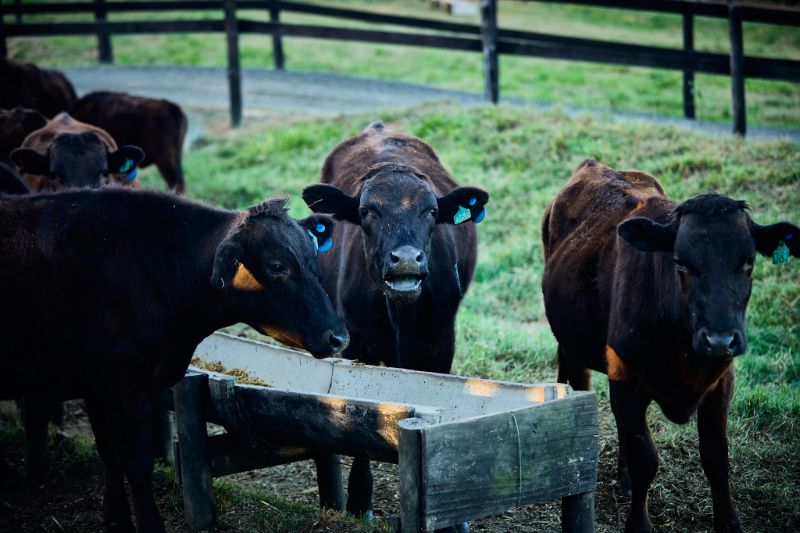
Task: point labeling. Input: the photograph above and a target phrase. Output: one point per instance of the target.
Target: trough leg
(195, 466)
(36, 419)
(329, 481)
(577, 513)
(412, 512)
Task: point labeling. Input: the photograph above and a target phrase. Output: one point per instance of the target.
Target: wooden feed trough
(467, 448)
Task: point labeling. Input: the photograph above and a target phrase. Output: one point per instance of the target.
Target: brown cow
(654, 293)
(26, 85)
(70, 153)
(406, 256)
(15, 125)
(157, 126)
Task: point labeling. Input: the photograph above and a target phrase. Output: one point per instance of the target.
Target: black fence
(486, 37)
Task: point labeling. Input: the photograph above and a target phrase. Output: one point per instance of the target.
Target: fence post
(737, 70)
(105, 53)
(277, 43)
(234, 69)
(3, 46)
(489, 38)
(688, 75)
(18, 17)
(577, 513)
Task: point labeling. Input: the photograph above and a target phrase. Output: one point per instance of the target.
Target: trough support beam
(688, 75)
(577, 513)
(329, 482)
(737, 70)
(490, 61)
(277, 42)
(105, 54)
(192, 457)
(234, 68)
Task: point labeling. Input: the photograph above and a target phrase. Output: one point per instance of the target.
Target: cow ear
(30, 161)
(323, 198)
(647, 235)
(226, 261)
(125, 161)
(776, 240)
(320, 230)
(462, 204)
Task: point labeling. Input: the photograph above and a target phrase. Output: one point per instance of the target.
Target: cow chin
(283, 336)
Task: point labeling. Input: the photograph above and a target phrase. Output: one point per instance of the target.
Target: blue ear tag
(781, 254)
(130, 176)
(472, 201)
(320, 228)
(326, 246)
(126, 166)
(462, 215)
(313, 238)
(480, 216)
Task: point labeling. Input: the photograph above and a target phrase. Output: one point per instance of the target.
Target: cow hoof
(367, 516)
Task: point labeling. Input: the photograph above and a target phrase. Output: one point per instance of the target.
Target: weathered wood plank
(192, 455)
(486, 465)
(105, 54)
(412, 481)
(231, 455)
(277, 42)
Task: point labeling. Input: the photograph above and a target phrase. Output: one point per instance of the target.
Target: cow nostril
(394, 258)
(419, 257)
(720, 344)
(337, 342)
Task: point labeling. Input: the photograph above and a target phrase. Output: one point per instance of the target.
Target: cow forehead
(720, 236)
(396, 190)
(286, 233)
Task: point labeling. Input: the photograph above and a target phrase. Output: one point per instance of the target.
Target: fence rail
(486, 38)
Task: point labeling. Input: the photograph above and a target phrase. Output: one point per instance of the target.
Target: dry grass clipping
(241, 376)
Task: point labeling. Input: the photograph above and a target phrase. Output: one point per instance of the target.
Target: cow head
(267, 266)
(713, 242)
(397, 212)
(78, 160)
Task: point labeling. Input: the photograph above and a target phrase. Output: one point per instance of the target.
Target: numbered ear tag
(126, 166)
(462, 215)
(314, 239)
(129, 169)
(480, 216)
(325, 246)
(781, 254)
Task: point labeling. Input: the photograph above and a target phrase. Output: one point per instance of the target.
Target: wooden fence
(486, 38)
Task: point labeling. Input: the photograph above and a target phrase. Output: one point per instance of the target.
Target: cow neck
(400, 318)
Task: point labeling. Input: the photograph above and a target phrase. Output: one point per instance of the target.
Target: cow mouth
(403, 283)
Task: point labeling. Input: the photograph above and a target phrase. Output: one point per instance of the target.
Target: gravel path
(314, 93)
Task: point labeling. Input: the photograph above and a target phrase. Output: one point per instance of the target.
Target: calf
(157, 126)
(654, 294)
(15, 125)
(126, 283)
(69, 153)
(406, 258)
(26, 85)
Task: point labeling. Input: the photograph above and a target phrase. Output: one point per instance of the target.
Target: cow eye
(748, 266)
(364, 212)
(276, 268)
(434, 212)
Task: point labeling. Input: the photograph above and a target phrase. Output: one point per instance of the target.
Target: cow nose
(725, 344)
(407, 256)
(337, 341)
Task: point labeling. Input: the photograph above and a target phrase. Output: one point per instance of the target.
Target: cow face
(78, 160)
(397, 212)
(267, 267)
(713, 242)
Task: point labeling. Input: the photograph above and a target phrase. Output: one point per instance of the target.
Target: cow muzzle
(719, 345)
(406, 269)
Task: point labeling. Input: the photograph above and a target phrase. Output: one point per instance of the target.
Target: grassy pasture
(523, 157)
(616, 88)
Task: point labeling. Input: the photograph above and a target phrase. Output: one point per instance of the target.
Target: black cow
(10, 182)
(654, 293)
(405, 260)
(26, 85)
(107, 292)
(157, 126)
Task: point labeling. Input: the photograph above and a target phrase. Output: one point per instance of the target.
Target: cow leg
(172, 173)
(629, 405)
(36, 411)
(137, 461)
(116, 513)
(359, 488)
(712, 427)
(577, 376)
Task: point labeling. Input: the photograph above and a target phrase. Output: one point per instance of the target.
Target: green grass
(599, 86)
